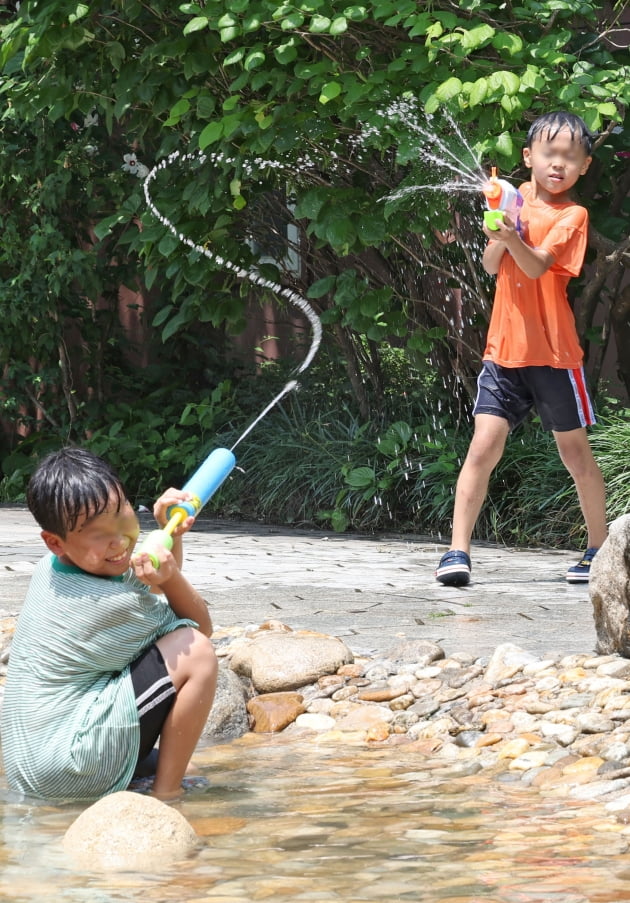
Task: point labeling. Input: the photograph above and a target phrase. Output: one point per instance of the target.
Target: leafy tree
(316, 110)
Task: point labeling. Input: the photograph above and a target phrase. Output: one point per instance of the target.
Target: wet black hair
(548, 126)
(68, 484)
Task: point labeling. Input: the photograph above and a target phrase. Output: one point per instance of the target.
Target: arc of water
(251, 275)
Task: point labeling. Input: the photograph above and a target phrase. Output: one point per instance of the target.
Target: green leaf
(206, 105)
(162, 315)
(82, 9)
(474, 38)
(532, 78)
(168, 243)
(311, 203)
(449, 89)
(338, 26)
(105, 226)
(321, 287)
(235, 57)
(254, 59)
(340, 232)
(505, 82)
(329, 91)
(179, 109)
(150, 275)
(478, 92)
(361, 478)
(211, 133)
(319, 24)
(510, 44)
(286, 53)
(179, 320)
(592, 119)
(229, 33)
(371, 230)
(355, 13)
(292, 21)
(116, 53)
(510, 104)
(608, 110)
(504, 144)
(196, 24)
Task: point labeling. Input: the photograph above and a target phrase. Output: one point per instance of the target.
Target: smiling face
(101, 545)
(556, 164)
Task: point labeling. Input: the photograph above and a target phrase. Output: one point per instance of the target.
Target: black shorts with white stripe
(155, 694)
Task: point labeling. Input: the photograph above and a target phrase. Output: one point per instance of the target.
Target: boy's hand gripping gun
(502, 199)
(202, 485)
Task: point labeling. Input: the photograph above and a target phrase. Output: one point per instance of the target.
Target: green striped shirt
(69, 725)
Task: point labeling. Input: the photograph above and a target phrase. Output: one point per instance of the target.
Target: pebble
(554, 723)
(558, 723)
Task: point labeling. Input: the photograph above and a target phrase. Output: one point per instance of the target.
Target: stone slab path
(370, 591)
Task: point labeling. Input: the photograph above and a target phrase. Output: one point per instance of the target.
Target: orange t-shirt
(532, 324)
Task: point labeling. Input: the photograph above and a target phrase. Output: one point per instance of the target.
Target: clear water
(294, 820)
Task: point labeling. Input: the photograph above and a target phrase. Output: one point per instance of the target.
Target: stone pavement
(372, 591)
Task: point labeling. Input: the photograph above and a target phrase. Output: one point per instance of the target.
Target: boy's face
(556, 164)
(100, 545)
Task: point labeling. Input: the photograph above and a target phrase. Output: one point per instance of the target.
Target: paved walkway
(370, 591)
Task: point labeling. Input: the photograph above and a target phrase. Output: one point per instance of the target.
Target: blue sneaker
(581, 572)
(454, 569)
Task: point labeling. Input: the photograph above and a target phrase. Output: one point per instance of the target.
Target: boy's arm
(492, 255)
(532, 261)
(186, 601)
(182, 597)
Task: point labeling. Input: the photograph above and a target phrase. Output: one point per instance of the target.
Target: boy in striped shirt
(110, 653)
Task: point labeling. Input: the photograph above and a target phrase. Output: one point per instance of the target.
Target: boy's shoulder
(569, 204)
(51, 570)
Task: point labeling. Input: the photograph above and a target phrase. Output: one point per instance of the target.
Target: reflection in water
(298, 820)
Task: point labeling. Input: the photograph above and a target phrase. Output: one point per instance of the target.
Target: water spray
(215, 469)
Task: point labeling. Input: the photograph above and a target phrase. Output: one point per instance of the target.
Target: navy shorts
(560, 397)
(155, 694)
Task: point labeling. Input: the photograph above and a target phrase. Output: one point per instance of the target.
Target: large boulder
(609, 589)
(129, 832)
(276, 662)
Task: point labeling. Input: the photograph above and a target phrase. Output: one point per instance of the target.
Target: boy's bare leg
(484, 453)
(192, 665)
(577, 456)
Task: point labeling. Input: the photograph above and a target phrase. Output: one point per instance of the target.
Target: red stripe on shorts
(584, 403)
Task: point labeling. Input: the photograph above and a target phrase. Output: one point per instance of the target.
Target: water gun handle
(161, 537)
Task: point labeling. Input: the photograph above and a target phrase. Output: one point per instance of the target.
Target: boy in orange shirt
(533, 358)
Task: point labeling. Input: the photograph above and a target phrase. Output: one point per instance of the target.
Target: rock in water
(129, 832)
(279, 662)
(609, 589)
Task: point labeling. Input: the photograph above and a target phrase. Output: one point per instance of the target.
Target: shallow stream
(294, 820)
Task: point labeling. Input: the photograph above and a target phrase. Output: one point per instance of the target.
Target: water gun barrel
(204, 482)
(201, 486)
